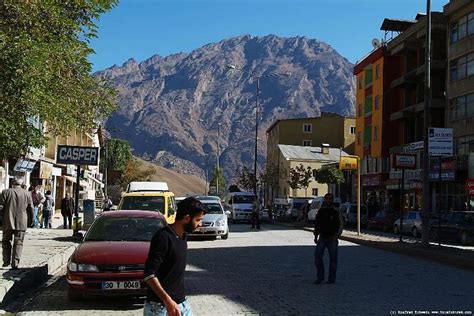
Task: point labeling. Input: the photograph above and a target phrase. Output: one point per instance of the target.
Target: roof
(307, 118)
(292, 152)
(131, 213)
(396, 25)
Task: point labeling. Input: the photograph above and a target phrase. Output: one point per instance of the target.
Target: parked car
(457, 226)
(381, 221)
(214, 222)
(349, 214)
(316, 204)
(111, 259)
(411, 224)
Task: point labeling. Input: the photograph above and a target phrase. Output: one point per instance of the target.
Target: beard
(189, 227)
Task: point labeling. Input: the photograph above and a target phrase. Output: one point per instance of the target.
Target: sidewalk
(44, 252)
(445, 254)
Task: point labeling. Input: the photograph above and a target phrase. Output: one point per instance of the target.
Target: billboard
(77, 155)
(440, 141)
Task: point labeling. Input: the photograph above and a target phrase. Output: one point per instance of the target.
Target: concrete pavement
(44, 252)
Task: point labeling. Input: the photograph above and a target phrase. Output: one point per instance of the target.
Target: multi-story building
(460, 99)
(335, 130)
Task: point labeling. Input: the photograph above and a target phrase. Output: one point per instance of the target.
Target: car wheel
(72, 296)
(415, 232)
(396, 231)
(226, 235)
(463, 238)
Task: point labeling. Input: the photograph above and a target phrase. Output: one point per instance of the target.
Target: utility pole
(256, 140)
(426, 124)
(217, 161)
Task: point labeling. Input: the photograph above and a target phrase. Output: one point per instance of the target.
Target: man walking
(17, 212)
(166, 262)
(255, 216)
(38, 199)
(67, 209)
(48, 210)
(327, 229)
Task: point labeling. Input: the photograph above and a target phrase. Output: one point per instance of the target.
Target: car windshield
(144, 203)
(298, 205)
(247, 199)
(124, 229)
(213, 208)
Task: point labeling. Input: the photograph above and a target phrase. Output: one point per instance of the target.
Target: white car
(214, 222)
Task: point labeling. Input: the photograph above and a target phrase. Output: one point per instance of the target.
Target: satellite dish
(376, 43)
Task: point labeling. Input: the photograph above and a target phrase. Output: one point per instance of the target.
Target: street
(271, 272)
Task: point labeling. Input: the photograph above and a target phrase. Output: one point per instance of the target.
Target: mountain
(170, 107)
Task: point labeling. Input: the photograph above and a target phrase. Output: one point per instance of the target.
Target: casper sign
(76, 155)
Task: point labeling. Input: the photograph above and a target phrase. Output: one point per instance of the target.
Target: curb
(33, 277)
(459, 258)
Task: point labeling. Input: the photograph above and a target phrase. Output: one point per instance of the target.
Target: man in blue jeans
(327, 229)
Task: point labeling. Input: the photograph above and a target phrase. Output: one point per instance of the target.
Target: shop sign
(413, 147)
(403, 161)
(393, 184)
(448, 171)
(348, 163)
(24, 165)
(470, 186)
(440, 141)
(370, 180)
(57, 172)
(71, 170)
(77, 155)
(46, 170)
(416, 185)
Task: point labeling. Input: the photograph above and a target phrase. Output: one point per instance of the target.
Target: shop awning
(96, 181)
(73, 180)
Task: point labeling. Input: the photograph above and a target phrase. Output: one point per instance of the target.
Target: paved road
(271, 272)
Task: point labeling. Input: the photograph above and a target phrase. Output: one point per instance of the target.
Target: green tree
(295, 179)
(306, 174)
(329, 175)
(234, 188)
(218, 174)
(45, 73)
(245, 179)
(119, 154)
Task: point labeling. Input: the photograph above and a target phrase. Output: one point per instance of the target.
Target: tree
(306, 174)
(218, 174)
(295, 179)
(119, 154)
(234, 188)
(329, 175)
(135, 171)
(45, 73)
(245, 179)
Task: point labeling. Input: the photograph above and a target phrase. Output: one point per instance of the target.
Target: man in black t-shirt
(328, 227)
(166, 262)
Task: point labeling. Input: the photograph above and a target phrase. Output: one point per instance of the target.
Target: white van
(316, 204)
(240, 205)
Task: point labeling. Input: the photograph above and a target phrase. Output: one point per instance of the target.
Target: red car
(111, 259)
(381, 221)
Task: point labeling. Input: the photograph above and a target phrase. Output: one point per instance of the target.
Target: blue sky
(141, 28)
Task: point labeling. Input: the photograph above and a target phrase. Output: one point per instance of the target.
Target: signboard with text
(404, 161)
(347, 163)
(470, 186)
(440, 141)
(77, 155)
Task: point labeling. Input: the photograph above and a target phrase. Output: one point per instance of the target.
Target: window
(359, 138)
(376, 133)
(359, 110)
(307, 142)
(315, 192)
(462, 28)
(462, 67)
(352, 130)
(307, 128)
(377, 71)
(462, 107)
(377, 102)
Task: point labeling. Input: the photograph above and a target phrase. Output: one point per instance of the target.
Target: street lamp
(217, 157)
(257, 80)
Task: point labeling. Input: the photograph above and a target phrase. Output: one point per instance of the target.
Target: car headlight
(74, 267)
(220, 223)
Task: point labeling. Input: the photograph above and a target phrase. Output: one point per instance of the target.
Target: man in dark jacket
(327, 229)
(67, 209)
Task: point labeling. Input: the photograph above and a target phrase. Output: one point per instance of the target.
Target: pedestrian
(166, 262)
(327, 229)
(106, 204)
(67, 209)
(48, 210)
(38, 200)
(17, 210)
(255, 216)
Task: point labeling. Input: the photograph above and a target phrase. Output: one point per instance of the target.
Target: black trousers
(67, 221)
(255, 220)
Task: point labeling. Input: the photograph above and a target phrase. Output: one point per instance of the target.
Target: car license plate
(120, 285)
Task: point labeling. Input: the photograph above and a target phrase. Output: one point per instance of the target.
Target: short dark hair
(190, 206)
(48, 192)
(329, 195)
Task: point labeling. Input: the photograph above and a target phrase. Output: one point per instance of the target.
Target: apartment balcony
(411, 111)
(409, 78)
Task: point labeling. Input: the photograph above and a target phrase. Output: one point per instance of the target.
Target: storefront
(374, 192)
